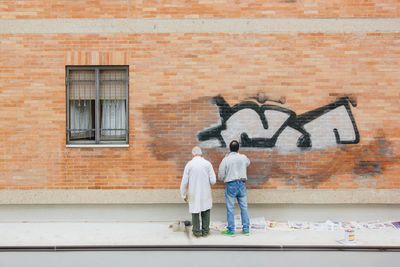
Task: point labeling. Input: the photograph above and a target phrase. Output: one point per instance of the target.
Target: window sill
(96, 146)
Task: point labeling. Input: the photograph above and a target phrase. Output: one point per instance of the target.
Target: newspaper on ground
(260, 224)
(256, 224)
(396, 224)
(352, 225)
(278, 226)
(299, 225)
(326, 226)
(377, 225)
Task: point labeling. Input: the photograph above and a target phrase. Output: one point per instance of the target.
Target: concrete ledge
(97, 146)
(263, 26)
(171, 196)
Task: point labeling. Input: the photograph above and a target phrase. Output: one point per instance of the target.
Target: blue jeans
(236, 190)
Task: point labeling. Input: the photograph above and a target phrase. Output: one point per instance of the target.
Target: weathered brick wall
(173, 78)
(10, 9)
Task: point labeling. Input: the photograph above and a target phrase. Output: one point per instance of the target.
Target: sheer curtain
(81, 119)
(113, 104)
(113, 118)
(82, 93)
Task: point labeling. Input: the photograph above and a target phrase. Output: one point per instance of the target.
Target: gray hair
(196, 151)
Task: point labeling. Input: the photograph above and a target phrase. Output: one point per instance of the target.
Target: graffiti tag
(268, 125)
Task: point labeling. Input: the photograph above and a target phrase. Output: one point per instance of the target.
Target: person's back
(197, 179)
(234, 167)
(200, 166)
(201, 180)
(233, 172)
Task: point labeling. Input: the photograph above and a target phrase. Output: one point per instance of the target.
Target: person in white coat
(197, 179)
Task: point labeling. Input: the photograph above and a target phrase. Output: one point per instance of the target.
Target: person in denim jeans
(233, 172)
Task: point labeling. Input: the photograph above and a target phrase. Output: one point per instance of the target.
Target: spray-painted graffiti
(269, 125)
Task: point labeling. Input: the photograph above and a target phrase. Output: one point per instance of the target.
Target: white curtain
(81, 119)
(113, 117)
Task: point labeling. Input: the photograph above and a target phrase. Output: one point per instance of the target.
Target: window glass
(97, 105)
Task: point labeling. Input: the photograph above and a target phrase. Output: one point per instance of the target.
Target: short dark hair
(234, 146)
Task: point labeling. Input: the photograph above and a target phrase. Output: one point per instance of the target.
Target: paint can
(349, 235)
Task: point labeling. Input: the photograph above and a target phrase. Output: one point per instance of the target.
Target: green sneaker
(246, 232)
(228, 233)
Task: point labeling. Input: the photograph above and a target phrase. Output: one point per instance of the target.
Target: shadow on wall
(298, 150)
(309, 168)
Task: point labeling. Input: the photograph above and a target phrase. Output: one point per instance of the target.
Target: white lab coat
(197, 179)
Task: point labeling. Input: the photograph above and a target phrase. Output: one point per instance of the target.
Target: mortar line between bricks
(262, 26)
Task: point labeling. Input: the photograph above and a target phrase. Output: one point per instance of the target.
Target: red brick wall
(10, 9)
(172, 80)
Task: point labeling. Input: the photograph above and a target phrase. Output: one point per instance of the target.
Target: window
(97, 105)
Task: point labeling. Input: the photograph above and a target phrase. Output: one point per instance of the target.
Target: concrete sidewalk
(159, 234)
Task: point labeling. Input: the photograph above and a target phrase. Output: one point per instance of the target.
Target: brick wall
(171, 88)
(10, 9)
(173, 81)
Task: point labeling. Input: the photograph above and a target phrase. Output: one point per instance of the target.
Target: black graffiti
(296, 122)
